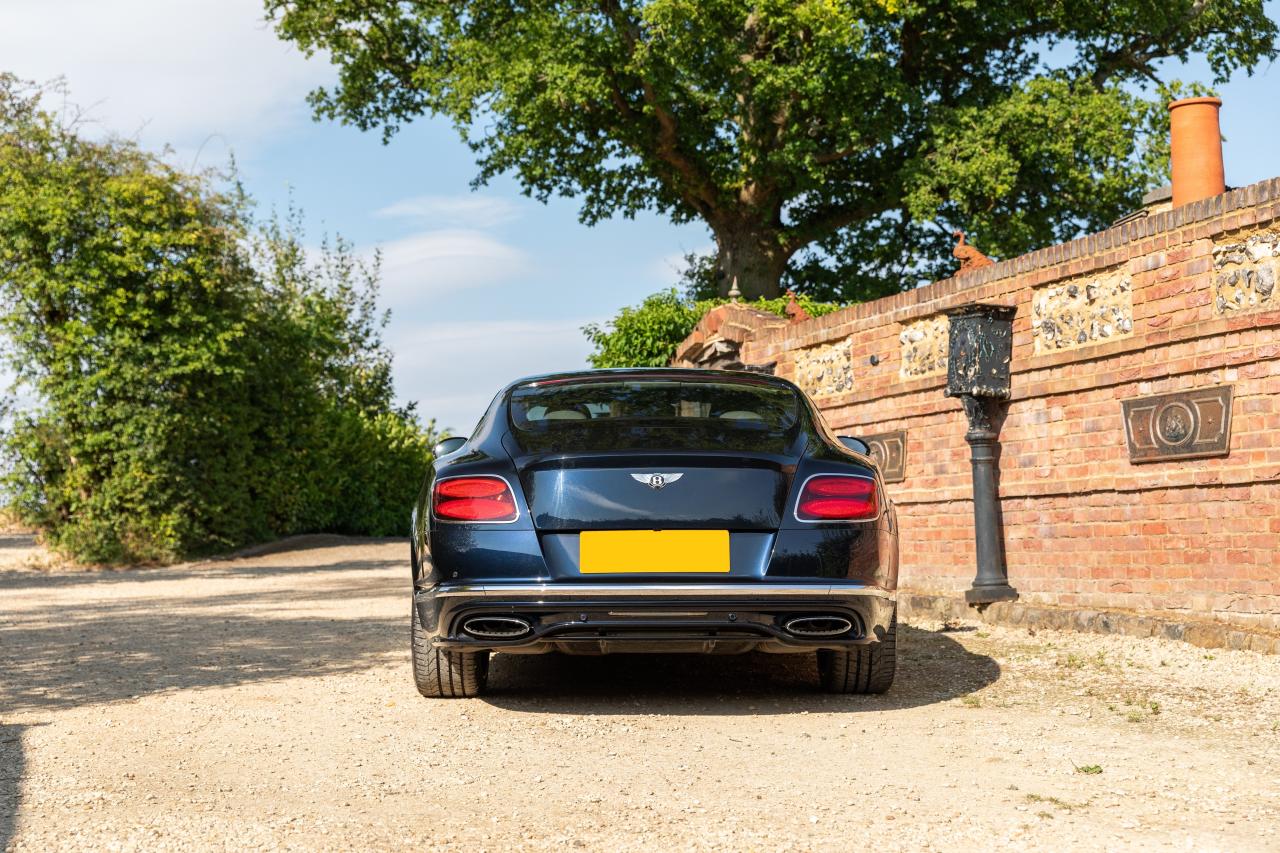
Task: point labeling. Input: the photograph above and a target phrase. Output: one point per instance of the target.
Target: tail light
(837, 497)
(474, 499)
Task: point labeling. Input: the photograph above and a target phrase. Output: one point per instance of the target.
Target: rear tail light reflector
(837, 497)
(474, 499)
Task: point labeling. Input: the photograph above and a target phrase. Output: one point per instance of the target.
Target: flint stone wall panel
(1082, 311)
(825, 370)
(1245, 272)
(924, 346)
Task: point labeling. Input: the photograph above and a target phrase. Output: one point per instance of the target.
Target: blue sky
(483, 286)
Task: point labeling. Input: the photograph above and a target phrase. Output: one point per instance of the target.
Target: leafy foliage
(834, 143)
(646, 335)
(191, 381)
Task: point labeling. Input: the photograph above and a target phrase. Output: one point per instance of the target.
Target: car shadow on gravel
(932, 667)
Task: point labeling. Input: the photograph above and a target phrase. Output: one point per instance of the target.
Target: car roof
(687, 373)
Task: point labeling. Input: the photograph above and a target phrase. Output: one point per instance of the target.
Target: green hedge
(189, 380)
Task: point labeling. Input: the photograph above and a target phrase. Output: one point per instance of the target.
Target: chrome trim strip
(649, 614)
(618, 590)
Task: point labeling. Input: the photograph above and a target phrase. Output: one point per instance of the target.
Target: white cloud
(425, 265)
(453, 369)
(169, 72)
(454, 211)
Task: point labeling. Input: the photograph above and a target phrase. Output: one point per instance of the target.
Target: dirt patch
(266, 703)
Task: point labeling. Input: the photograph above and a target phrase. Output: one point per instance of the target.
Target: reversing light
(834, 497)
(474, 499)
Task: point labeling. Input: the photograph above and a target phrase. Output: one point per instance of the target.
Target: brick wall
(1145, 308)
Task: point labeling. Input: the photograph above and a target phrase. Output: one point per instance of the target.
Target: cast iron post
(979, 352)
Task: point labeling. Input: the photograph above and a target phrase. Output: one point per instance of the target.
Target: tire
(861, 669)
(440, 674)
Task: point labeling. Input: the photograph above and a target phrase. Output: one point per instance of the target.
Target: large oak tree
(834, 143)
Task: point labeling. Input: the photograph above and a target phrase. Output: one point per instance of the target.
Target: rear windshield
(654, 414)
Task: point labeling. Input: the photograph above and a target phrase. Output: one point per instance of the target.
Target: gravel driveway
(266, 703)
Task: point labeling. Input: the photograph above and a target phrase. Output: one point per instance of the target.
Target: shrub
(191, 381)
(647, 334)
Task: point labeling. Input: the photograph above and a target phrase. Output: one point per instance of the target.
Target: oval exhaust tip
(496, 627)
(818, 626)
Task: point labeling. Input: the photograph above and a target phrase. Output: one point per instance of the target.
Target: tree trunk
(754, 257)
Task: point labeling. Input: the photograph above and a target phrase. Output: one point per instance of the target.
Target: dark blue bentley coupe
(653, 511)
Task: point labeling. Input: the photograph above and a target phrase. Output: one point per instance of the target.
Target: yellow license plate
(603, 552)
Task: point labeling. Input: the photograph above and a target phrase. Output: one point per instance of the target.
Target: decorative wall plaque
(1185, 425)
(889, 449)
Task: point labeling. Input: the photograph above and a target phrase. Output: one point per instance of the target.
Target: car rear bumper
(598, 618)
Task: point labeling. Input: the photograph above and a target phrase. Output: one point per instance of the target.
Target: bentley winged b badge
(656, 481)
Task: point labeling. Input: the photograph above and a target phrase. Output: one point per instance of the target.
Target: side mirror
(857, 445)
(446, 446)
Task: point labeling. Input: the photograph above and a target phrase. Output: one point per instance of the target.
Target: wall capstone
(716, 340)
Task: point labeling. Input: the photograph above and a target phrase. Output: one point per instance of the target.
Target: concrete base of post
(981, 596)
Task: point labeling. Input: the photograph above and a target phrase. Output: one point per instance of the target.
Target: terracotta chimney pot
(1196, 150)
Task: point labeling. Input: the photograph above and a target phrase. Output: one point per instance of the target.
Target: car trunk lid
(667, 491)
